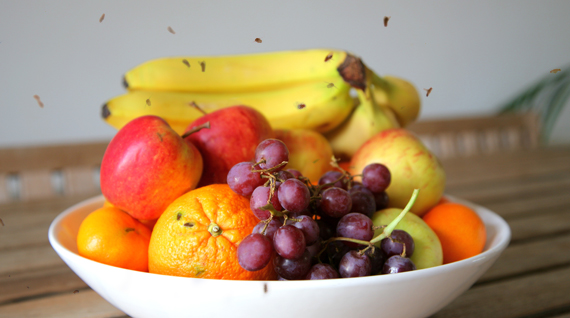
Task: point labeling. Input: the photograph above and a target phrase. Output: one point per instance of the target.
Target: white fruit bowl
(411, 294)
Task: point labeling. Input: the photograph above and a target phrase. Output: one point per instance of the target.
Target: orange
(147, 223)
(198, 235)
(113, 237)
(107, 204)
(460, 230)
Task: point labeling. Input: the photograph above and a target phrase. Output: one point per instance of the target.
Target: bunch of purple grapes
(314, 231)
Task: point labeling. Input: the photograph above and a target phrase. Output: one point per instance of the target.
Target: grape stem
(347, 239)
(388, 229)
(269, 207)
(385, 233)
(277, 167)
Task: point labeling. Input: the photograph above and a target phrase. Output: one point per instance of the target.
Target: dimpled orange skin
(113, 237)
(182, 245)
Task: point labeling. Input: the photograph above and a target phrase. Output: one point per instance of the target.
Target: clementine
(198, 235)
(459, 228)
(113, 237)
(148, 223)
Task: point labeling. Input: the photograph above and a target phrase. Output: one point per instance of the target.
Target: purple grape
(291, 269)
(377, 259)
(289, 242)
(363, 202)
(304, 212)
(357, 186)
(273, 151)
(335, 202)
(398, 264)
(309, 227)
(354, 264)
(296, 173)
(322, 271)
(315, 248)
(332, 176)
(381, 200)
(325, 230)
(394, 244)
(273, 225)
(259, 198)
(376, 177)
(330, 221)
(356, 226)
(294, 195)
(254, 252)
(284, 175)
(242, 180)
(335, 252)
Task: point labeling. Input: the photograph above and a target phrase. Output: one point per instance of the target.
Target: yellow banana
(367, 119)
(236, 73)
(399, 95)
(319, 105)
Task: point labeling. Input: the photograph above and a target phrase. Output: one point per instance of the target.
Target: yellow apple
(411, 164)
(309, 152)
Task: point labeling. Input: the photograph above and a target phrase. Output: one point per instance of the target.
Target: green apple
(427, 251)
(411, 164)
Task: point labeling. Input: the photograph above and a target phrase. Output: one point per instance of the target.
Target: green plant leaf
(547, 97)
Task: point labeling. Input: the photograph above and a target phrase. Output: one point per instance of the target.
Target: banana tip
(125, 83)
(105, 112)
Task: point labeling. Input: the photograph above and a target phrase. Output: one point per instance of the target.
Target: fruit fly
(258, 40)
(328, 57)
(148, 101)
(556, 70)
(171, 30)
(301, 106)
(102, 18)
(39, 101)
(203, 66)
(428, 91)
(330, 85)
(75, 291)
(386, 21)
(185, 61)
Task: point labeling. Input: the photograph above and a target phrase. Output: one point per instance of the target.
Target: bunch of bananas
(310, 89)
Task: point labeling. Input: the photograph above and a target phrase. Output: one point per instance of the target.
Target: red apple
(232, 138)
(146, 166)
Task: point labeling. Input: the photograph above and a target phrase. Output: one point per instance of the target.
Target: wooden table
(530, 189)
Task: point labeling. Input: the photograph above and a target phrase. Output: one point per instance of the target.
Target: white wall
(475, 54)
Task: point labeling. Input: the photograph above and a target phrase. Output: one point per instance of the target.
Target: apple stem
(388, 229)
(193, 104)
(196, 129)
